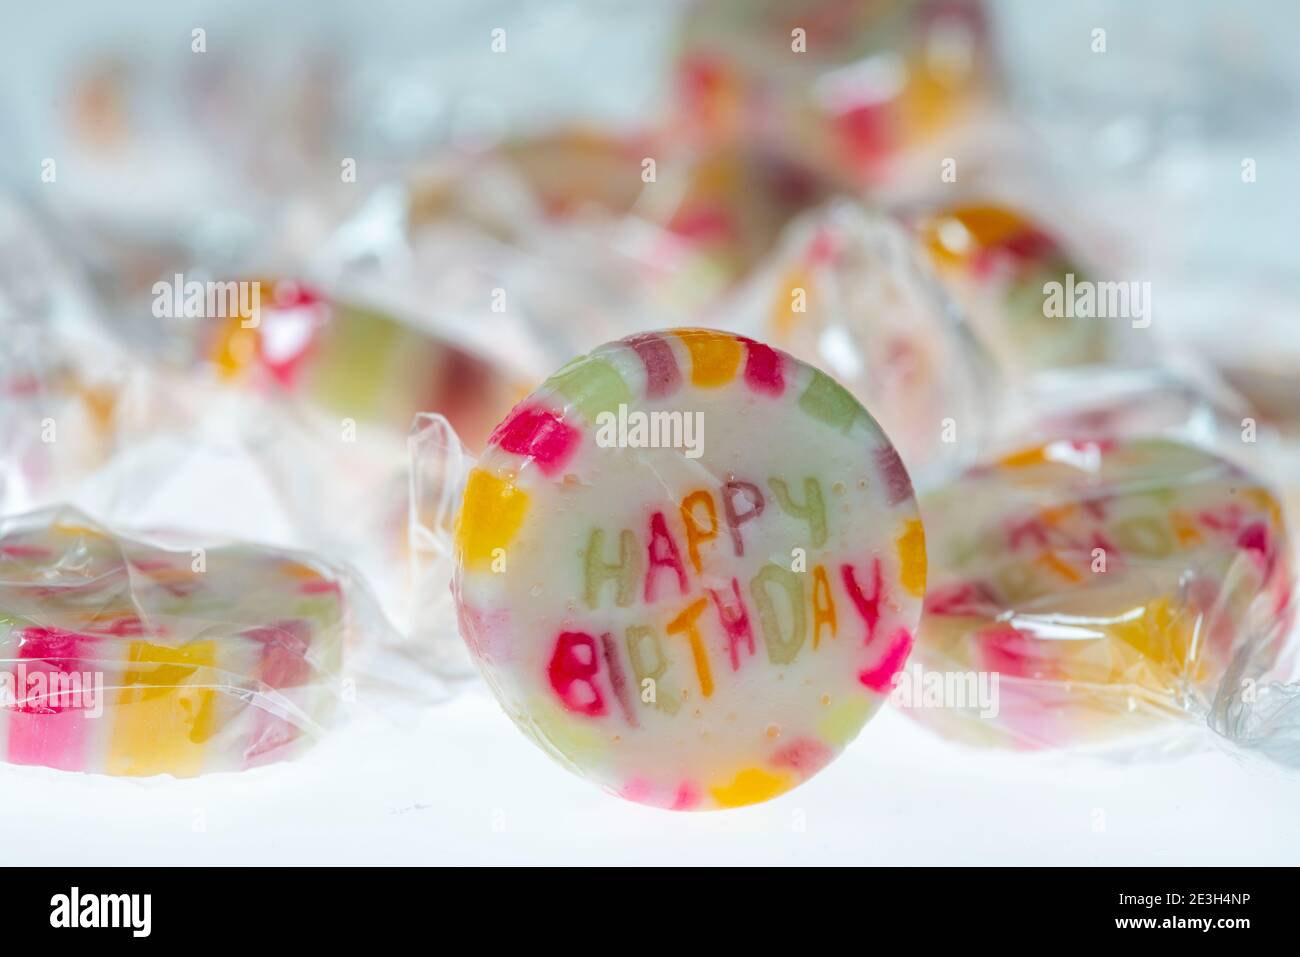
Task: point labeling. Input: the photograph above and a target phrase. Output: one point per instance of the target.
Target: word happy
(791, 611)
(651, 430)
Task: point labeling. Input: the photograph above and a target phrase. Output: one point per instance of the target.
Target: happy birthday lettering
(594, 671)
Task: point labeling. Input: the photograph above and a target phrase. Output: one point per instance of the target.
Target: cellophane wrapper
(1106, 594)
(127, 656)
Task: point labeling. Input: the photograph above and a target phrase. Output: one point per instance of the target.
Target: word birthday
(49, 691)
(651, 430)
(793, 608)
(208, 300)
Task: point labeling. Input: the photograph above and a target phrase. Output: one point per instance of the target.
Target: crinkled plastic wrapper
(254, 424)
(1175, 400)
(439, 466)
(1095, 591)
(852, 86)
(57, 417)
(849, 291)
(123, 657)
(556, 266)
(352, 362)
(1030, 300)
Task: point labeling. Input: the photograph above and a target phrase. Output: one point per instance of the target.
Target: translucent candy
(1107, 586)
(60, 415)
(514, 261)
(348, 361)
(844, 85)
(299, 400)
(849, 291)
(688, 566)
(67, 390)
(1000, 266)
(730, 206)
(560, 174)
(639, 227)
(123, 657)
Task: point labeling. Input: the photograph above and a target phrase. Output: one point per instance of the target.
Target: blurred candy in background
(247, 254)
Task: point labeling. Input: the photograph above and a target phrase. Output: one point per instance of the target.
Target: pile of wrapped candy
(863, 413)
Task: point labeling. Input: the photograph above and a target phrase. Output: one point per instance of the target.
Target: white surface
(457, 784)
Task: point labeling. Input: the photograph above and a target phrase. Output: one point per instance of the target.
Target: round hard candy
(1095, 589)
(689, 566)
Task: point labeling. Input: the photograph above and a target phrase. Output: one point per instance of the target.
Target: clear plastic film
(279, 418)
(854, 88)
(59, 397)
(126, 656)
(204, 169)
(66, 408)
(1032, 300)
(1098, 593)
(472, 253)
(850, 291)
(282, 406)
(439, 465)
(1180, 400)
(642, 228)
